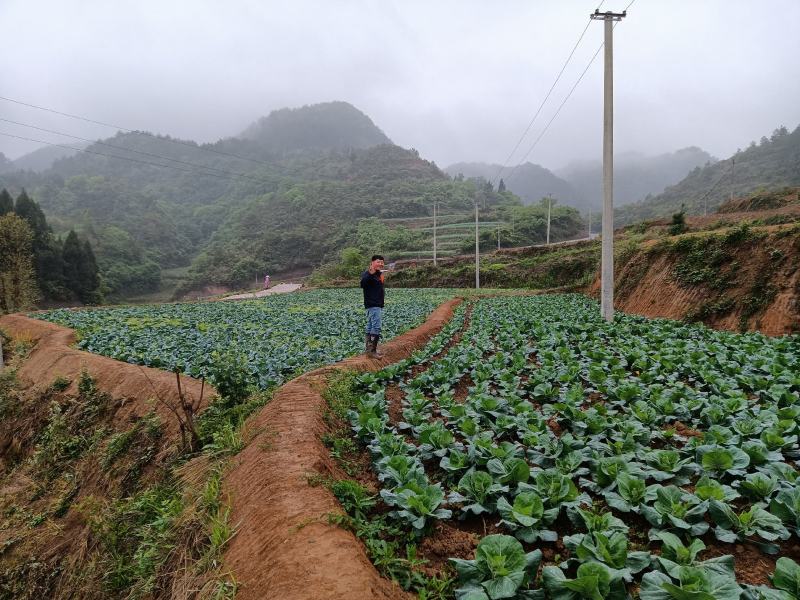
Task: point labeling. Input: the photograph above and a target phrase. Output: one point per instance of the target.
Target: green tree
(32, 213)
(46, 249)
(73, 257)
(89, 276)
(17, 278)
(6, 202)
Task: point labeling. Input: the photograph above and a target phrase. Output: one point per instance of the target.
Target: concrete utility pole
(733, 174)
(549, 207)
(477, 251)
(607, 253)
(434, 234)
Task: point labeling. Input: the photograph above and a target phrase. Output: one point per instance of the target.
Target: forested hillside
(42, 159)
(528, 181)
(327, 126)
(771, 163)
(288, 194)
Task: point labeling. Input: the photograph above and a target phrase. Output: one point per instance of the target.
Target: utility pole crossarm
(608, 16)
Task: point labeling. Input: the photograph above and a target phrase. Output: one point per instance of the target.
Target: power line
(563, 102)
(143, 162)
(546, 98)
(125, 129)
(141, 152)
(713, 187)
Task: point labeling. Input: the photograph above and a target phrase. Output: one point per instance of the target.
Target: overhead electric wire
(564, 101)
(713, 187)
(136, 160)
(125, 129)
(546, 98)
(142, 152)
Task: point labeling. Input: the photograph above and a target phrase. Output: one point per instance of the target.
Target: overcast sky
(458, 80)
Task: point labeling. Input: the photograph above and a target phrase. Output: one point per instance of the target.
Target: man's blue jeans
(374, 320)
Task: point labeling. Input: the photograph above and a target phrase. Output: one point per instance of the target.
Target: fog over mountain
(457, 80)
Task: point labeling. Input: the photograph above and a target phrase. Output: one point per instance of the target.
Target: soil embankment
(736, 278)
(53, 355)
(284, 547)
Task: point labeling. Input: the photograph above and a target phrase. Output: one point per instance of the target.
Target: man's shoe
(368, 344)
(373, 351)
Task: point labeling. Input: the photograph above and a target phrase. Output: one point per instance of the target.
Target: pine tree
(30, 211)
(6, 202)
(501, 186)
(72, 255)
(46, 249)
(89, 276)
(17, 278)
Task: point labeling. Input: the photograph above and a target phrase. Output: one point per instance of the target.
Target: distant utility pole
(733, 174)
(549, 206)
(434, 234)
(477, 251)
(607, 254)
(590, 222)
(498, 237)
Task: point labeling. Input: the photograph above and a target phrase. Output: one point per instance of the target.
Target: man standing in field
(372, 284)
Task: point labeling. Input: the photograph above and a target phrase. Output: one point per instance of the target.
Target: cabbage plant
(527, 516)
(611, 549)
(738, 527)
(691, 583)
(593, 580)
(675, 554)
(786, 506)
(501, 569)
(674, 509)
(478, 491)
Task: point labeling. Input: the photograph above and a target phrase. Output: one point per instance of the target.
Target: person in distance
(372, 285)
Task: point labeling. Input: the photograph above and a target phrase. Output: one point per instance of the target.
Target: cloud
(458, 80)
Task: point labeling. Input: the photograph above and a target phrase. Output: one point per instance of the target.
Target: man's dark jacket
(372, 284)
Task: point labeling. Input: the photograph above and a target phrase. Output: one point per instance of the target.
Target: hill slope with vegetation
(528, 181)
(770, 164)
(150, 203)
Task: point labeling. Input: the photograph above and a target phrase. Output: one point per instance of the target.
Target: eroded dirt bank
(53, 356)
(735, 279)
(284, 548)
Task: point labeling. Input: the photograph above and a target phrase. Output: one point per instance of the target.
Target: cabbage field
(591, 460)
(268, 340)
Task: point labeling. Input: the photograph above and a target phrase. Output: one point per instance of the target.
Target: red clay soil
(53, 356)
(284, 548)
(657, 293)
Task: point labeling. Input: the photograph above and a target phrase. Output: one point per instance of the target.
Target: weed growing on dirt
(219, 425)
(60, 384)
(9, 399)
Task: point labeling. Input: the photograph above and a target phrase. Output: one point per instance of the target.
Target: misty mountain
(635, 175)
(5, 164)
(150, 202)
(42, 159)
(769, 164)
(326, 126)
(528, 181)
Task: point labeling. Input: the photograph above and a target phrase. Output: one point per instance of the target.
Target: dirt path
(281, 288)
(284, 548)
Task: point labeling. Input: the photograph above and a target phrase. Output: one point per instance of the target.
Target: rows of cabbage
(636, 444)
(263, 341)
